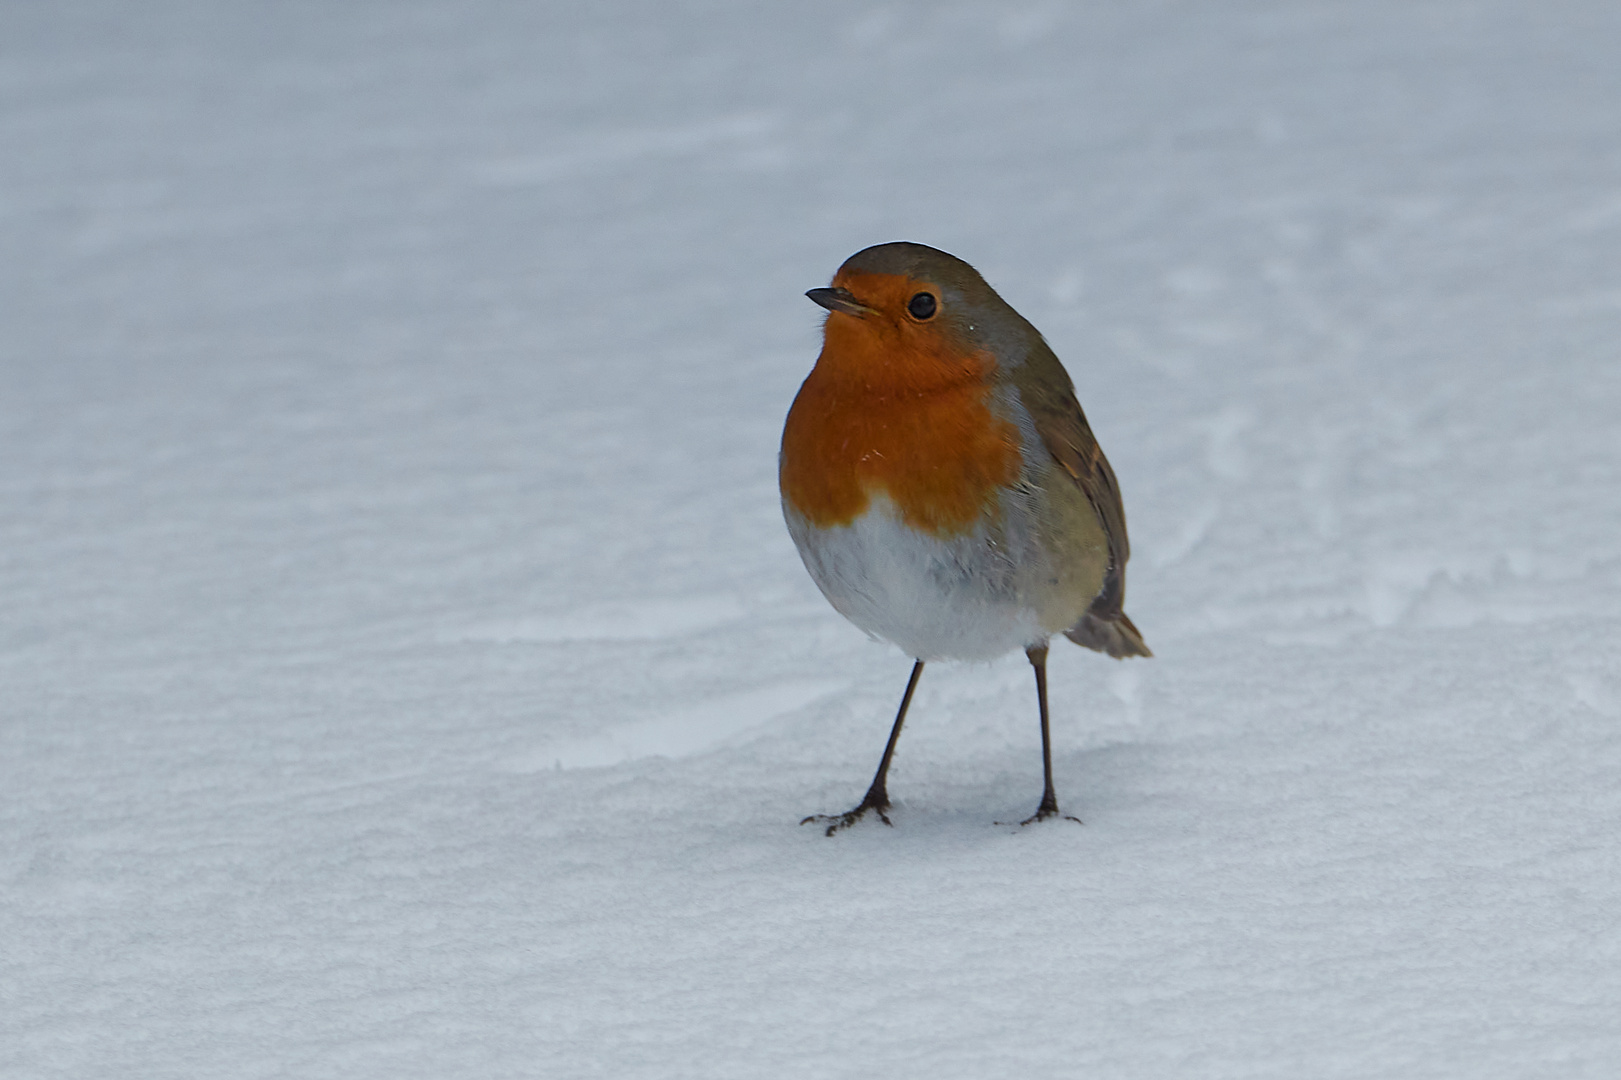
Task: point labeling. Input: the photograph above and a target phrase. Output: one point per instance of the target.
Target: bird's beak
(839, 300)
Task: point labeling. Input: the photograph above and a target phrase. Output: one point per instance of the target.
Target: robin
(943, 487)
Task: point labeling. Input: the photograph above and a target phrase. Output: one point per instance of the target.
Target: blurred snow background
(404, 670)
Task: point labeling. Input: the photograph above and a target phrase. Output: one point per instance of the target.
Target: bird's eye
(921, 306)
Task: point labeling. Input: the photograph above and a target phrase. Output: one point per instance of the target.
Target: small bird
(943, 487)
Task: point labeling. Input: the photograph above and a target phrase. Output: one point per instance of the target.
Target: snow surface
(405, 671)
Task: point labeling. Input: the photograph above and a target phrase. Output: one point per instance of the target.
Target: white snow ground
(404, 670)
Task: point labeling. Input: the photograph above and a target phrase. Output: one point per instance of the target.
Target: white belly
(961, 598)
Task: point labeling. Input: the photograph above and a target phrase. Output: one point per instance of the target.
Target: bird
(944, 488)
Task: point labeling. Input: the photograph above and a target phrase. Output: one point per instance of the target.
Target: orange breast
(889, 411)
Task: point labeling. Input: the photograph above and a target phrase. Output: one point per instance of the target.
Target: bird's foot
(1048, 809)
(1043, 815)
(834, 822)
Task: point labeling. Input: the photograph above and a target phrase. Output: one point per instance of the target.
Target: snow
(405, 671)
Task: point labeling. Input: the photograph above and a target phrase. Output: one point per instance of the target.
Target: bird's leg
(877, 798)
(1049, 797)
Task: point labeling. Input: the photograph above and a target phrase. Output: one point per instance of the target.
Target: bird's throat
(939, 453)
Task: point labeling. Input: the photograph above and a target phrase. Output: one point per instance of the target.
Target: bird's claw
(835, 822)
(1044, 813)
(1047, 809)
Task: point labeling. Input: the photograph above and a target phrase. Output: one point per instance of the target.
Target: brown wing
(1062, 426)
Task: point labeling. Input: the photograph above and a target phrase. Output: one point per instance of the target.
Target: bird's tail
(1112, 634)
